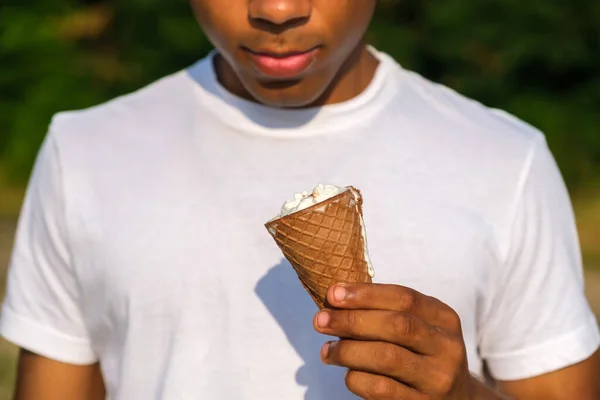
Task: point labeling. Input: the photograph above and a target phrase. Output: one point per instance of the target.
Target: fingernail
(339, 293)
(323, 319)
(325, 350)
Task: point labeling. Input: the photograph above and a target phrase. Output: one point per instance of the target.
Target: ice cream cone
(325, 243)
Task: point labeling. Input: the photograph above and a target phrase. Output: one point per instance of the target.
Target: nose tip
(279, 12)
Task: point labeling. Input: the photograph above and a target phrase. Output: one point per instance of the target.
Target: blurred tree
(538, 59)
(66, 54)
(43, 71)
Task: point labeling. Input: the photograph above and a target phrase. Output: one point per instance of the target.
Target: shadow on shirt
(291, 306)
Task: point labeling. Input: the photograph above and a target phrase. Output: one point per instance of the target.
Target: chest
(180, 246)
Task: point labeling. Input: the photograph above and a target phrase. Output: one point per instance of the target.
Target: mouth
(283, 65)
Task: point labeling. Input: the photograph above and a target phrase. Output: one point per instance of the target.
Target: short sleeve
(40, 311)
(537, 319)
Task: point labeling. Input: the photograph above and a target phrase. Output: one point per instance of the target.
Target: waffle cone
(324, 243)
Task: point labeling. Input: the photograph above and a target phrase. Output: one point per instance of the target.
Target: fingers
(369, 296)
(385, 326)
(397, 342)
(380, 358)
(375, 387)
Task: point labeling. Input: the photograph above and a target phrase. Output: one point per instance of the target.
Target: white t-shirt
(141, 243)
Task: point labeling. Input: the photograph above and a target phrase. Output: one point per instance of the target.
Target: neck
(353, 78)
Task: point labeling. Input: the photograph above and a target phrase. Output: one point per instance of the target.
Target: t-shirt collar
(256, 118)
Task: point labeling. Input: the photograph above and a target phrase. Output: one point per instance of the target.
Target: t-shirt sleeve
(538, 319)
(40, 311)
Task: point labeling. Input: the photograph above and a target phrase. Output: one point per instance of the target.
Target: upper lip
(278, 53)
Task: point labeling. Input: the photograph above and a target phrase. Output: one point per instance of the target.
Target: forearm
(480, 391)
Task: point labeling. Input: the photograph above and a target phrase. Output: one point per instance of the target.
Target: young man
(142, 269)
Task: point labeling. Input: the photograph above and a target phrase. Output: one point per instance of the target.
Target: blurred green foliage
(539, 60)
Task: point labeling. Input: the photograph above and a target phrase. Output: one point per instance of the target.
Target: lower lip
(284, 67)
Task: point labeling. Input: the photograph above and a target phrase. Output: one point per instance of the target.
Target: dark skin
(44, 379)
(399, 344)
